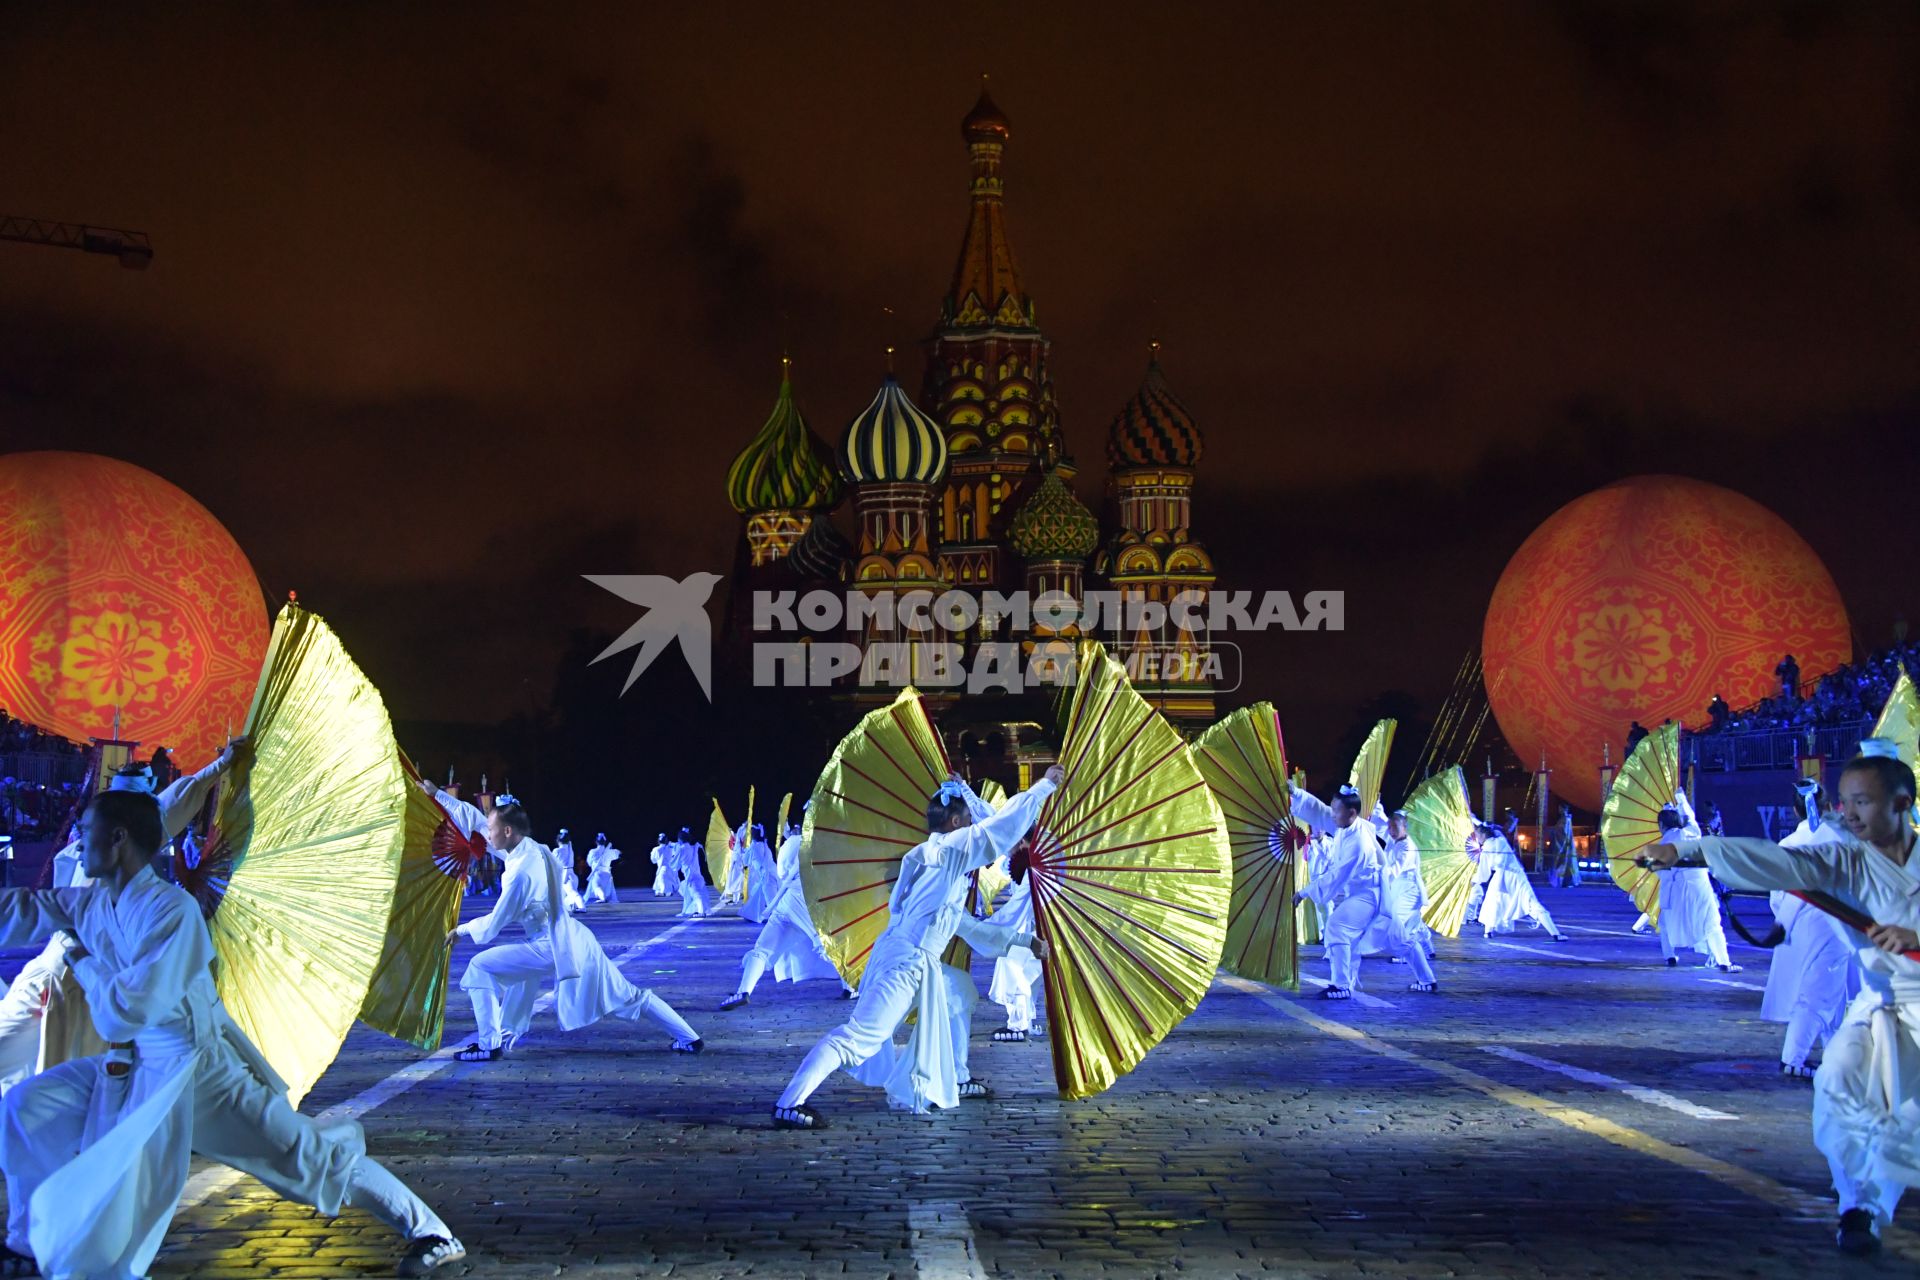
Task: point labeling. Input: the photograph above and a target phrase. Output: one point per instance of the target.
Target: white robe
(600, 860)
(1016, 973)
(904, 973)
(761, 881)
(694, 890)
(586, 984)
(788, 943)
(1509, 895)
(1349, 883)
(662, 869)
(1866, 1106)
(96, 1150)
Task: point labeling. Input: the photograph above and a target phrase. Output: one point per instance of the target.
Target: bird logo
(675, 610)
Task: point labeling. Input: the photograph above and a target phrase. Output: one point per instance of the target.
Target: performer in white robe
(695, 899)
(1349, 884)
(904, 973)
(788, 943)
(1403, 893)
(1689, 911)
(662, 861)
(563, 861)
(762, 881)
(1866, 1102)
(1509, 896)
(45, 978)
(600, 860)
(1016, 973)
(504, 981)
(96, 1151)
(735, 889)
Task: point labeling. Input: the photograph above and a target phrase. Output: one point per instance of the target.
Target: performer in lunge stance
(904, 974)
(504, 981)
(1866, 1093)
(600, 860)
(96, 1150)
(1348, 884)
(1508, 896)
(788, 943)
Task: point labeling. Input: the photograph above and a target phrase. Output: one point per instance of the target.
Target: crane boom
(133, 248)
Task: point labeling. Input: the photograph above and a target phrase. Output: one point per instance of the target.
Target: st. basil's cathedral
(969, 486)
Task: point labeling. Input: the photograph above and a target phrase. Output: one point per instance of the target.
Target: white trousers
(237, 1121)
(600, 887)
(1348, 922)
(1851, 1125)
(885, 999)
(504, 983)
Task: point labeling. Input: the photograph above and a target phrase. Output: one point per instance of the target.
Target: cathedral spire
(987, 291)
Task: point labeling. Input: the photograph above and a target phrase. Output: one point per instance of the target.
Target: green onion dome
(785, 467)
(1053, 525)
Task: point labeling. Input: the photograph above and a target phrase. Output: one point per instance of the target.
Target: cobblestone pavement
(1558, 1110)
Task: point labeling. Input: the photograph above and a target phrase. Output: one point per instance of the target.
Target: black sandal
(974, 1089)
(15, 1263)
(733, 1001)
(474, 1053)
(1007, 1035)
(798, 1118)
(694, 1045)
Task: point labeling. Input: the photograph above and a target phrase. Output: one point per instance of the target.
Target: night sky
(454, 304)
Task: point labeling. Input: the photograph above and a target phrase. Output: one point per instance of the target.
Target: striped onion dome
(785, 467)
(892, 441)
(1053, 525)
(1153, 429)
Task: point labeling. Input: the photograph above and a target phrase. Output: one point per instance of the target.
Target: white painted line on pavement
(1611, 933)
(217, 1178)
(1551, 955)
(1729, 982)
(1640, 1093)
(1802, 1206)
(1359, 997)
(942, 1241)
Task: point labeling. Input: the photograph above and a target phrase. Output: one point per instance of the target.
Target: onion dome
(892, 442)
(785, 467)
(1154, 429)
(822, 552)
(1053, 525)
(986, 122)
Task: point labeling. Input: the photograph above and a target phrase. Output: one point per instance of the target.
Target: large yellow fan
(299, 881)
(719, 848)
(1244, 761)
(1370, 766)
(1132, 881)
(408, 996)
(869, 810)
(1900, 719)
(1440, 826)
(1631, 820)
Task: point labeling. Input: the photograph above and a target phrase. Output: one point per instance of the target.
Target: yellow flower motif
(113, 660)
(1621, 648)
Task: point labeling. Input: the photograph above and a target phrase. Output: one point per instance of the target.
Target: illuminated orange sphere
(1641, 601)
(117, 590)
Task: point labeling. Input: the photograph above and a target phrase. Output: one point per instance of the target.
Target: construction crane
(133, 248)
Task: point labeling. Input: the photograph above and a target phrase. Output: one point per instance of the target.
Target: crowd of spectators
(1844, 696)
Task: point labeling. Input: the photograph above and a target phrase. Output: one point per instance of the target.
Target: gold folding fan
(1440, 827)
(1631, 820)
(300, 879)
(1132, 881)
(869, 810)
(1370, 766)
(1244, 761)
